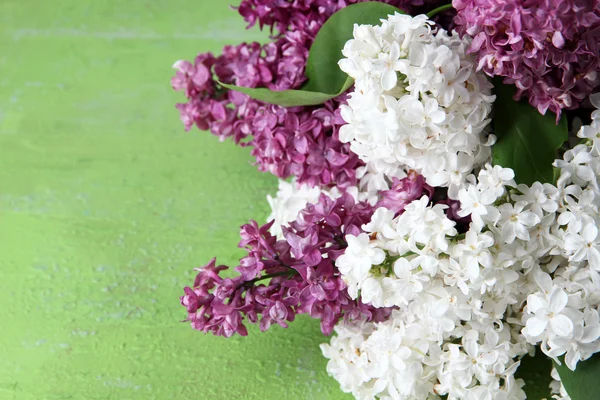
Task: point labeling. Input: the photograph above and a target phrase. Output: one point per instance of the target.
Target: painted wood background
(106, 206)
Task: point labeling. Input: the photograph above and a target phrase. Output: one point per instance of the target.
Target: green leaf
(535, 371)
(527, 140)
(583, 383)
(325, 79)
(290, 98)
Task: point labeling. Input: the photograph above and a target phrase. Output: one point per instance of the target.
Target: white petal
(544, 281)
(558, 301)
(535, 303)
(508, 233)
(528, 218)
(590, 334)
(572, 358)
(521, 232)
(590, 232)
(535, 326)
(471, 348)
(389, 79)
(561, 325)
(378, 256)
(593, 256)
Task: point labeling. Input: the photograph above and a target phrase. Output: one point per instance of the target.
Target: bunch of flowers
(468, 305)
(300, 270)
(443, 232)
(299, 142)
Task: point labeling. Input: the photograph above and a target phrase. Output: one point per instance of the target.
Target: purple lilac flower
(303, 277)
(281, 16)
(549, 49)
(403, 192)
(300, 141)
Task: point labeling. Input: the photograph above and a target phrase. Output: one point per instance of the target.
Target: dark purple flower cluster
(293, 15)
(549, 49)
(298, 141)
(301, 141)
(302, 277)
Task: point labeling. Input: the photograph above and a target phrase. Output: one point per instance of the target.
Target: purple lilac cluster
(302, 277)
(298, 141)
(293, 15)
(301, 141)
(549, 49)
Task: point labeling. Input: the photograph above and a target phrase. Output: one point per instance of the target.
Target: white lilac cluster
(417, 101)
(404, 359)
(468, 305)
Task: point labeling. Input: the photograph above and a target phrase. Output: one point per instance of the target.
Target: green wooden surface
(106, 205)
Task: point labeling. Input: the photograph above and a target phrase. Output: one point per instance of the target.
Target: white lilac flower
(515, 221)
(581, 345)
(494, 179)
(357, 260)
(576, 164)
(584, 245)
(417, 101)
(546, 310)
(469, 306)
(477, 204)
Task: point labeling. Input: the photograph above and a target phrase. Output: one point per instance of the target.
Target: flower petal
(561, 325)
(535, 326)
(558, 300)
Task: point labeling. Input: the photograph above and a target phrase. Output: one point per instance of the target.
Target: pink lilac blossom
(303, 277)
(403, 192)
(549, 49)
(305, 145)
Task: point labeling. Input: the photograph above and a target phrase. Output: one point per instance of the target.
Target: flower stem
(435, 11)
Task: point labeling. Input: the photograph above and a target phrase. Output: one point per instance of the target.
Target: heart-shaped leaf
(527, 140)
(583, 383)
(325, 79)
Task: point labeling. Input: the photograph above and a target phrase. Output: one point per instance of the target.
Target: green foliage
(535, 371)
(325, 79)
(527, 140)
(583, 383)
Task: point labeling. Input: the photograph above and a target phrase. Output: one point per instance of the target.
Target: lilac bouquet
(439, 193)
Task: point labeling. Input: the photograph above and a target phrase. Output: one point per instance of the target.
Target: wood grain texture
(106, 206)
